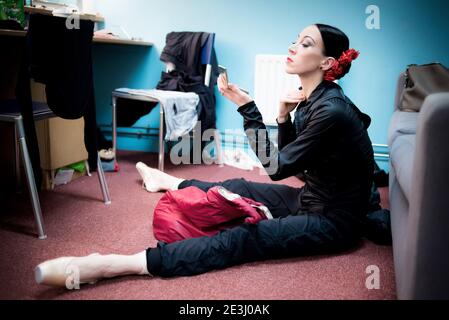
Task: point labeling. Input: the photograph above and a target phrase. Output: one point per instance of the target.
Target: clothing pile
(191, 213)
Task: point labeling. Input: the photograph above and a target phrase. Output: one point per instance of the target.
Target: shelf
(123, 41)
(20, 33)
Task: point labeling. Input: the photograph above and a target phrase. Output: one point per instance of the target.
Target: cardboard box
(61, 142)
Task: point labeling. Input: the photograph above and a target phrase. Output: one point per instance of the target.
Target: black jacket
(184, 50)
(328, 145)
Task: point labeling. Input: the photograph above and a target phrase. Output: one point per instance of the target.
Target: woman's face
(306, 54)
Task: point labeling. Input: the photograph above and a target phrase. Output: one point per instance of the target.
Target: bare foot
(155, 180)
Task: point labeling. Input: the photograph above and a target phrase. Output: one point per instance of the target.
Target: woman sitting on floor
(327, 144)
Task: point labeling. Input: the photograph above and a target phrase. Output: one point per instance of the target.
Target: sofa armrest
(428, 224)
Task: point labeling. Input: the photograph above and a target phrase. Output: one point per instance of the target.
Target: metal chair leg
(161, 138)
(103, 183)
(30, 179)
(17, 169)
(114, 128)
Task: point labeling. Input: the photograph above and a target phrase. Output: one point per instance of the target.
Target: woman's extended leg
(291, 236)
(270, 239)
(281, 200)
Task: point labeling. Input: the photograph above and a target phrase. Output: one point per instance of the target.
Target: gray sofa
(419, 197)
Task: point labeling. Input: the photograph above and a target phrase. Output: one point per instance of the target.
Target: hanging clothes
(61, 58)
(184, 50)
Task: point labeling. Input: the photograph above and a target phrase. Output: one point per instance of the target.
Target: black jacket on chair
(61, 58)
(184, 49)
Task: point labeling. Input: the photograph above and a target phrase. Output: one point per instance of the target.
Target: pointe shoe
(143, 170)
(56, 272)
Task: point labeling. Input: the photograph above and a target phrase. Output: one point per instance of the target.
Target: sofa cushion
(402, 123)
(401, 155)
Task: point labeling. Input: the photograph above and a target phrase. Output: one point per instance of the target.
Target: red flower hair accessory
(340, 65)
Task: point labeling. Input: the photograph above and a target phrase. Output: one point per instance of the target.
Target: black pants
(289, 234)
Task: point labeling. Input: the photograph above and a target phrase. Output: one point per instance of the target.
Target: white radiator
(270, 83)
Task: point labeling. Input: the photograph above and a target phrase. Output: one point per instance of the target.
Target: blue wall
(411, 32)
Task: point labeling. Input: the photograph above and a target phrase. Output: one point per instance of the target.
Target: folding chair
(9, 113)
(206, 57)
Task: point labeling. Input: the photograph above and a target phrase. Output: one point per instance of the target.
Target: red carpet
(78, 223)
